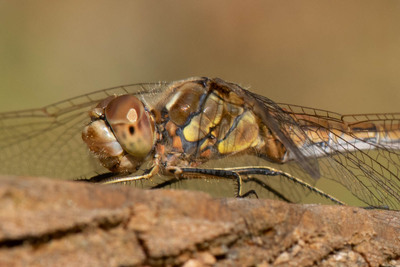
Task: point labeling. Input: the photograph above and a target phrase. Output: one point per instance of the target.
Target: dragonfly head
(121, 134)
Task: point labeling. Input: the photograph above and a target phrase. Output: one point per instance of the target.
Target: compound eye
(131, 124)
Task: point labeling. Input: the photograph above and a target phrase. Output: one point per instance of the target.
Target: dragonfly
(160, 134)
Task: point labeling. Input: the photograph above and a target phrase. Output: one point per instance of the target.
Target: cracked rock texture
(56, 223)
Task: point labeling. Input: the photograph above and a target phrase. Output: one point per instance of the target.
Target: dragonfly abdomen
(333, 137)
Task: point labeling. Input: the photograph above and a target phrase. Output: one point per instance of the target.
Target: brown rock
(56, 223)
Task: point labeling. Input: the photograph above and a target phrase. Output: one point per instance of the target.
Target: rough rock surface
(54, 223)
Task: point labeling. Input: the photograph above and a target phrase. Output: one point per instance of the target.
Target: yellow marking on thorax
(200, 124)
(242, 137)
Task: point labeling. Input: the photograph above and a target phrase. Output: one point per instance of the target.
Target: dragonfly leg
(118, 178)
(268, 171)
(115, 178)
(98, 178)
(249, 193)
(146, 175)
(240, 172)
(181, 173)
(276, 193)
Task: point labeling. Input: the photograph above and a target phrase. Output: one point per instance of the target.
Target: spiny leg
(115, 178)
(267, 187)
(98, 178)
(226, 173)
(268, 171)
(238, 172)
(199, 173)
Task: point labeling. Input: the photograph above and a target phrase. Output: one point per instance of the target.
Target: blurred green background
(337, 55)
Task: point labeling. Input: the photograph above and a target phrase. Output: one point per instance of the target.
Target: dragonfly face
(177, 129)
